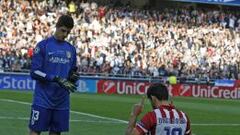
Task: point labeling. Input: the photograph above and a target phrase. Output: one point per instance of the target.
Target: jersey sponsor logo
(51, 53)
(59, 60)
(172, 121)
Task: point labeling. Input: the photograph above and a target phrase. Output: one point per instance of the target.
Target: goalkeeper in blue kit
(54, 69)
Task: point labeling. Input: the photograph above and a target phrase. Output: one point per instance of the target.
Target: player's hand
(64, 83)
(138, 108)
(73, 76)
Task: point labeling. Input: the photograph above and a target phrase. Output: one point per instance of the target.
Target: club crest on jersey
(36, 50)
(68, 54)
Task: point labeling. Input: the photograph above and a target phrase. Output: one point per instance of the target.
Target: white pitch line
(15, 101)
(110, 122)
(100, 117)
(74, 112)
(215, 124)
(72, 120)
(106, 118)
(13, 118)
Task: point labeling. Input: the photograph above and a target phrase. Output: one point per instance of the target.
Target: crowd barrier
(227, 89)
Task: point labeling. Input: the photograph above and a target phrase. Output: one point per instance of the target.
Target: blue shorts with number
(43, 119)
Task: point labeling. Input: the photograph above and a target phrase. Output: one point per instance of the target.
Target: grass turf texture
(208, 116)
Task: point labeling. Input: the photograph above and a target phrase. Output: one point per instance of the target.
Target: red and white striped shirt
(165, 120)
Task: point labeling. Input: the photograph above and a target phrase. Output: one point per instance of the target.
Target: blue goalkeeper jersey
(52, 58)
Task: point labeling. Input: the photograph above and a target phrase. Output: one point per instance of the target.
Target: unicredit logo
(122, 87)
(184, 89)
(132, 87)
(215, 92)
(108, 86)
(209, 91)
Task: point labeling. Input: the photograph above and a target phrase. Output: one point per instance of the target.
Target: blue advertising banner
(16, 82)
(222, 2)
(87, 85)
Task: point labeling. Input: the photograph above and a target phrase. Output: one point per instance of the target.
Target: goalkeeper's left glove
(73, 76)
(64, 83)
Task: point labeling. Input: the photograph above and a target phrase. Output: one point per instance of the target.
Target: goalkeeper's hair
(159, 90)
(65, 20)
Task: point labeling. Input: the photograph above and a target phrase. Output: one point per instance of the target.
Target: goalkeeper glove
(73, 76)
(64, 83)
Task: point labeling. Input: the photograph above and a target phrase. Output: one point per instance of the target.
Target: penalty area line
(112, 120)
(73, 112)
(71, 120)
(108, 122)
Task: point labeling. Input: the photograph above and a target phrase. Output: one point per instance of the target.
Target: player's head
(157, 91)
(64, 25)
(65, 20)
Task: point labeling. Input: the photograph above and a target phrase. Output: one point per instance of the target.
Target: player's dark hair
(159, 90)
(65, 20)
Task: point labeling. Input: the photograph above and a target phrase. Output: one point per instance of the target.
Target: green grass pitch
(94, 114)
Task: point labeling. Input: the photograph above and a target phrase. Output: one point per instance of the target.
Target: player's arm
(137, 109)
(73, 75)
(37, 72)
(188, 129)
(70, 83)
(131, 130)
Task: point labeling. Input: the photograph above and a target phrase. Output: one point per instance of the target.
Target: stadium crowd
(116, 41)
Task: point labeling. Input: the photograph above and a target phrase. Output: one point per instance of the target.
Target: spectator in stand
(133, 42)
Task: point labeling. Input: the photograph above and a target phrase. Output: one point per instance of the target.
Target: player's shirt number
(173, 131)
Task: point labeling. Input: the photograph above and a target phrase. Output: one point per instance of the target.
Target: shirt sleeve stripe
(187, 132)
(145, 131)
(39, 73)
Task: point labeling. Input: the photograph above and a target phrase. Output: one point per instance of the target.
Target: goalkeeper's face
(62, 32)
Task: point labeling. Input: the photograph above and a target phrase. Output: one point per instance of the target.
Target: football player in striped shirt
(165, 119)
(54, 69)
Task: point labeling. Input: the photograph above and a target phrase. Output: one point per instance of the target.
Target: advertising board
(223, 89)
(127, 87)
(16, 82)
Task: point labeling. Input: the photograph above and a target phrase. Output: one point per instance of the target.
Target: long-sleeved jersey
(52, 58)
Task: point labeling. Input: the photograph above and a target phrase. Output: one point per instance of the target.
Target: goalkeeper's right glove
(64, 83)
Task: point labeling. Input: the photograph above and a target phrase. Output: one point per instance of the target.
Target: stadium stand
(119, 41)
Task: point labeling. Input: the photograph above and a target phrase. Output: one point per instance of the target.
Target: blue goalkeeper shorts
(43, 119)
